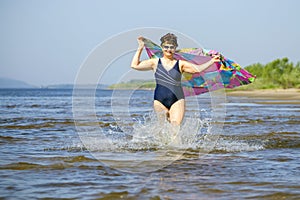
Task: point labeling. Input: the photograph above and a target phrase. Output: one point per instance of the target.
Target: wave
(209, 143)
(55, 166)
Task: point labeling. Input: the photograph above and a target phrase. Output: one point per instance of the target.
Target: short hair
(169, 38)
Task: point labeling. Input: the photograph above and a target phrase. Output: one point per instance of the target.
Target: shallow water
(44, 155)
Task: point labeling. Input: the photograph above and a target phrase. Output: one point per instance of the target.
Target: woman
(168, 95)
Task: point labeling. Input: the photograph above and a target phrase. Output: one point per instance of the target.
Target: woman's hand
(141, 43)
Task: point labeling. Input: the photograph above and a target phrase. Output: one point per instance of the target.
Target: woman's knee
(175, 122)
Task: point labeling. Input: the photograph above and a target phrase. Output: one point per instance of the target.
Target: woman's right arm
(141, 65)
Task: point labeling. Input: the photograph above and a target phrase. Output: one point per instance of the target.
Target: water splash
(231, 145)
(149, 134)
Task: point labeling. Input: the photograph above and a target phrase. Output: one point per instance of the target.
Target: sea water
(123, 151)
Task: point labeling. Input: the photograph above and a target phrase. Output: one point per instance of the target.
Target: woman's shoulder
(183, 62)
(154, 60)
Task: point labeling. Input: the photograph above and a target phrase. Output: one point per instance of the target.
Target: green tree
(279, 73)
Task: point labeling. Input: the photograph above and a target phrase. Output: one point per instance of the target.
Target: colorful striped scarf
(224, 74)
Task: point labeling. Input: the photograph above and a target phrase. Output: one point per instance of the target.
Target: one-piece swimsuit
(168, 85)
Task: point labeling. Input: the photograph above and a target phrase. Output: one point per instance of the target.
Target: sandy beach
(279, 94)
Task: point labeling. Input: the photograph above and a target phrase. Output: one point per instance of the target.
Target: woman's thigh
(176, 112)
(161, 111)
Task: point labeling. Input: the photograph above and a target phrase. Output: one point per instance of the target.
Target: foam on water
(148, 144)
(149, 134)
(236, 146)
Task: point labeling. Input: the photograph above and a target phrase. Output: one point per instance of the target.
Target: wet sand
(278, 94)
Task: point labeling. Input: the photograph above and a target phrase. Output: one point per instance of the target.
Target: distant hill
(58, 86)
(71, 86)
(12, 83)
(133, 84)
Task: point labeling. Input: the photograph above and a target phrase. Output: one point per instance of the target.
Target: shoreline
(280, 94)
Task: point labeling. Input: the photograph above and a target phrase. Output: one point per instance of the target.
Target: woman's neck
(168, 57)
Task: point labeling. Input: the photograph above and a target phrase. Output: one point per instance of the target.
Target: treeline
(279, 73)
(134, 84)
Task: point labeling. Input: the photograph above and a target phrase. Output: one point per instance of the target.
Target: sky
(44, 42)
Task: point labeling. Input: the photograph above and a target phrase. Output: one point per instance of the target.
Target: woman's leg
(176, 112)
(161, 111)
(176, 116)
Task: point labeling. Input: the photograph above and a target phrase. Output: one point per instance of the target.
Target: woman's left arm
(188, 67)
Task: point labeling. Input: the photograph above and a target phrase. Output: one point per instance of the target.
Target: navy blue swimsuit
(168, 85)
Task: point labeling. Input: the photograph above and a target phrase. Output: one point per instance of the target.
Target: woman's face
(168, 49)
